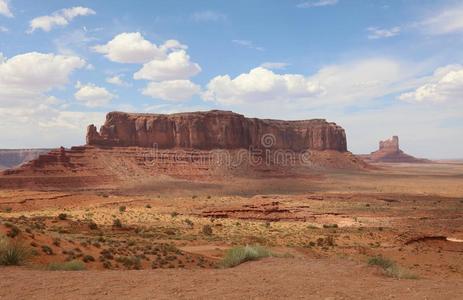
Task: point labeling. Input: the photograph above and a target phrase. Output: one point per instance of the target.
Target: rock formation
(389, 151)
(201, 145)
(215, 130)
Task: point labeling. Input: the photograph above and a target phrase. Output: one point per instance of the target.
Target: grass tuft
(74, 265)
(390, 268)
(239, 255)
(12, 253)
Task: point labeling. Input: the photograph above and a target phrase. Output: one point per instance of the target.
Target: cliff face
(215, 130)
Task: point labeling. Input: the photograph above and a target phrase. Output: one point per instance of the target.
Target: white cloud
(59, 18)
(446, 84)
(31, 117)
(319, 3)
(364, 80)
(4, 9)
(259, 85)
(177, 65)
(26, 77)
(208, 16)
(448, 20)
(130, 48)
(133, 48)
(274, 65)
(45, 127)
(92, 95)
(3, 29)
(116, 80)
(173, 90)
(247, 44)
(356, 82)
(379, 33)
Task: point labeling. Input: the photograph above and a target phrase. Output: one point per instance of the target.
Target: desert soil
(324, 227)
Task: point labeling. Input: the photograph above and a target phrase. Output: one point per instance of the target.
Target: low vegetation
(390, 268)
(74, 265)
(12, 253)
(239, 255)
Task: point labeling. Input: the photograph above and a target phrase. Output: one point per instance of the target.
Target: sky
(377, 68)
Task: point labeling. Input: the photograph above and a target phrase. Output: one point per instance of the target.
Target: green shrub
(117, 223)
(390, 268)
(73, 265)
(239, 255)
(12, 253)
(131, 263)
(174, 214)
(122, 209)
(207, 229)
(13, 232)
(381, 262)
(92, 225)
(330, 225)
(62, 216)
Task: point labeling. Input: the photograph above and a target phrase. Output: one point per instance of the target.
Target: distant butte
(389, 152)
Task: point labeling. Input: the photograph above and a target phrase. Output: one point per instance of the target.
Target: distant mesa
(215, 144)
(389, 152)
(214, 130)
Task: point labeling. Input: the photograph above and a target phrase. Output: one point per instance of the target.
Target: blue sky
(377, 68)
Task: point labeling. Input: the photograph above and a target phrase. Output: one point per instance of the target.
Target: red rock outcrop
(200, 145)
(389, 151)
(215, 130)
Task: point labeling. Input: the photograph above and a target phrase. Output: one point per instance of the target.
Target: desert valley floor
(164, 238)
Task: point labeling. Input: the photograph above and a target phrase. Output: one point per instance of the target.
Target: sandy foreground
(410, 214)
(267, 279)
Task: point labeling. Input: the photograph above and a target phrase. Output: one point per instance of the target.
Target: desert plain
(390, 231)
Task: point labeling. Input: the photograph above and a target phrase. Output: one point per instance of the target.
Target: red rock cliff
(215, 130)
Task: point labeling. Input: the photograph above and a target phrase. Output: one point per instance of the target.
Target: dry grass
(239, 255)
(12, 252)
(74, 265)
(390, 268)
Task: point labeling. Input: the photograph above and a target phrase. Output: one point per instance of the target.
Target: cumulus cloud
(26, 77)
(44, 126)
(116, 80)
(133, 48)
(59, 18)
(177, 65)
(379, 33)
(448, 20)
(92, 96)
(172, 90)
(446, 84)
(3, 29)
(319, 3)
(30, 116)
(5, 9)
(129, 48)
(337, 85)
(258, 85)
